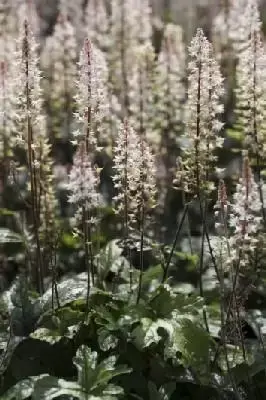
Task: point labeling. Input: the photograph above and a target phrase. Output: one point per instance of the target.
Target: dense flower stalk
(246, 19)
(97, 23)
(74, 9)
(147, 190)
(7, 42)
(134, 177)
(83, 184)
(222, 209)
(232, 23)
(27, 10)
(140, 91)
(135, 182)
(92, 95)
(238, 225)
(31, 132)
(29, 93)
(130, 27)
(245, 218)
(134, 19)
(7, 108)
(169, 88)
(239, 242)
(250, 91)
(126, 177)
(7, 26)
(59, 57)
(143, 16)
(202, 123)
(220, 244)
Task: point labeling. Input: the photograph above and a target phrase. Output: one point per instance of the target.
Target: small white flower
(83, 183)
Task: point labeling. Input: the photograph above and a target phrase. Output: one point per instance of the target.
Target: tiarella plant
(202, 118)
(31, 135)
(115, 285)
(83, 188)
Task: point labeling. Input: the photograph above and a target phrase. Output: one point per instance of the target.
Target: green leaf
(110, 259)
(163, 393)
(95, 378)
(151, 330)
(49, 387)
(85, 362)
(69, 290)
(6, 212)
(22, 390)
(58, 324)
(152, 273)
(167, 299)
(46, 335)
(93, 381)
(107, 370)
(193, 343)
(106, 340)
(163, 301)
(71, 241)
(235, 134)
(112, 390)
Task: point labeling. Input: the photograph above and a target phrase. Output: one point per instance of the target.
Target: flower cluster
(130, 28)
(83, 183)
(169, 87)
(140, 91)
(7, 107)
(245, 217)
(126, 176)
(250, 90)
(239, 221)
(135, 175)
(232, 22)
(92, 96)
(202, 123)
(74, 9)
(27, 10)
(58, 60)
(97, 24)
(7, 29)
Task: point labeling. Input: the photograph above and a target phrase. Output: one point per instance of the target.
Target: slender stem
(32, 170)
(141, 254)
(187, 223)
(198, 187)
(86, 249)
(203, 216)
(232, 298)
(178, 230)
(223, 336)
(126, 198)
(54, 282)
(142, 213)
